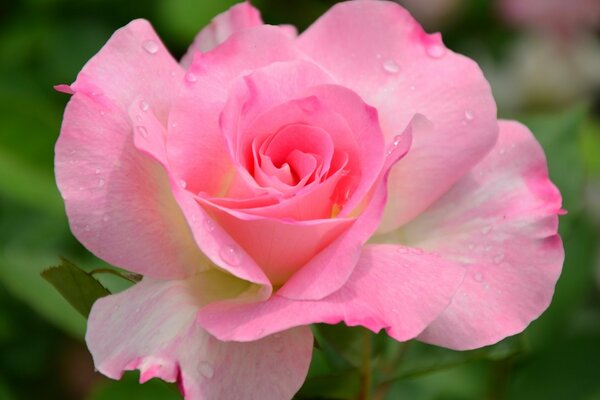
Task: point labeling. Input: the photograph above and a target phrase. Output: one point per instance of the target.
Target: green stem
(383, 388)
(367, 378)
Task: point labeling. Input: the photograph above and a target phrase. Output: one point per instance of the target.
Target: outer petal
(239, 17)
(151, 327)
(133, 63)
(501, 222)
(118, 201)
(392, 287)
(377, 49)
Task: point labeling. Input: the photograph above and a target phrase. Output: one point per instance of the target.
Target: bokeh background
(542, 58)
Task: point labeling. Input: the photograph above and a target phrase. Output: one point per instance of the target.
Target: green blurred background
(546, 78)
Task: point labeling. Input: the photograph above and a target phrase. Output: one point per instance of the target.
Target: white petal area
(152, 327)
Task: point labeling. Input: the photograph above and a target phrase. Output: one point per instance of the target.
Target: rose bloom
(355, 173)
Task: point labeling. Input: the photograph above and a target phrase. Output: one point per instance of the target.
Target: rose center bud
(294, 157)
(302, 155)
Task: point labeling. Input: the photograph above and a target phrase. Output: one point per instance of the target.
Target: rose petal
(329, 270)
(216, 245)
(118, 202)
(239, 17)
(378, 50)
(500, 221)
(151, 327)
(394, 288)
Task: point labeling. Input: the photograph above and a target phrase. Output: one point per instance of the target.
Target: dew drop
(478, 277)
(143, 131)
(97, 93)
(391, 66)
(174, 125)
(183, 184)
(87, 228)
(230, 255)
(502, 152)
(97, 171)
(486, 229)
(436, 50)
(397, 140)
(100, 183)
(144, 106)
(206, 370)
(138, 309)
(105, 218)
(150, 46)
(191, 77)
(498, 258)
(469, 115)
(209, 225)
(412, 88)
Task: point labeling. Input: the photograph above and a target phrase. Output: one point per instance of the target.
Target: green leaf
(19, 272)
(78, 287)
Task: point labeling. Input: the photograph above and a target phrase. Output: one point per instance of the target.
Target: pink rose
(354, 173)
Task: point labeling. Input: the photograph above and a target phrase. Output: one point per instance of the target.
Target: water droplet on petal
(486, 229)
(143, 131)
(498, 258)
(412, 88)
(137, 310)
(191, 77)
(174, 125)
(100, 183)
(87, 228)
(144, 106)
(97, 171)
(183, 184)
(150, 46)
(209, 225)
(391, 66)
(206, 370)
(436, 50)
(502, 152)
(97, 93)
(397, 140)
(469, 115)
(105, 218)
(478, 277)
(230, 255)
